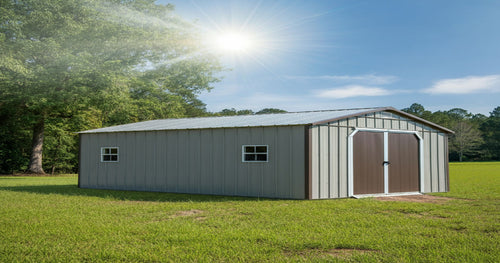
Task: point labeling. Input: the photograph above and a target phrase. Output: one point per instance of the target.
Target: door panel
(368, 158)
(404, 165)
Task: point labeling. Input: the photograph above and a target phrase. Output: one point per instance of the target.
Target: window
(109, 154)
(254, 153)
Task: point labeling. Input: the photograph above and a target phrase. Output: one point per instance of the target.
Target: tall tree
(466, 140)
(491, 131)
(418, 110)
(113, 58)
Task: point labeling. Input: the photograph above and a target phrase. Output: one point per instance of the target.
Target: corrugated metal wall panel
(150, 161)
(427, 162)
(315, 162)
(121, 169)
(434, 161)
(194, 162)
(254, 172)
(342, 160)
(161, 162)
(182, 161)
(297, 165)
(324, 162)
(218, 161)
(270, 173)
(231, 156)
(207, 153)
(333, 158)
(441, 162)
(370, 121)
(379, 122)
(128, 156)
(172, 161)
(282, 157)
(243, 138)
(102, 167)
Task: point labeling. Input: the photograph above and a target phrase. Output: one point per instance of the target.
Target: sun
(233, 42)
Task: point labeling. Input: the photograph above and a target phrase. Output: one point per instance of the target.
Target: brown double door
(400, 165)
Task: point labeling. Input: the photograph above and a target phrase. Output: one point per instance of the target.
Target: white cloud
(352, 91)
(368, 79)
(470, 84)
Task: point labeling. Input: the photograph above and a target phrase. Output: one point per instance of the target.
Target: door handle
(386, 162)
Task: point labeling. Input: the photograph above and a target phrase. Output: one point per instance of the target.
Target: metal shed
(301, 155)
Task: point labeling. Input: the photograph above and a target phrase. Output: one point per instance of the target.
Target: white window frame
(103, 149)
(243, 153)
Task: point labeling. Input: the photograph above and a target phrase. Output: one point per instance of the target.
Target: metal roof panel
(277, 119)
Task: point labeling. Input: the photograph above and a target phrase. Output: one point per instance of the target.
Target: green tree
(491, 131)
(270, 110)
(467, 139)
(121, 60)
(419, 111)
(233, 112)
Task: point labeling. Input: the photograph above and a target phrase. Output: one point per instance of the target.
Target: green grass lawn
(50, 219)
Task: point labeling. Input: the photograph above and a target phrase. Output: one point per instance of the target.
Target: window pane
(261, 149)
(261, 157)
(106, 158)
(114, 158)
(249, 149)
(106, 150)
(114, 150)
(249, 157)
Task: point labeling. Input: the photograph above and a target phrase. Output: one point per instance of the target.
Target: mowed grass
(47, 219)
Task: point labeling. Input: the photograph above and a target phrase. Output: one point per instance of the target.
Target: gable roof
(260, 120)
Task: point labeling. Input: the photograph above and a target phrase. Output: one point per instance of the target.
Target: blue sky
(313, 55)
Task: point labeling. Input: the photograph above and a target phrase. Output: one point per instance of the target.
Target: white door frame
(350, 172)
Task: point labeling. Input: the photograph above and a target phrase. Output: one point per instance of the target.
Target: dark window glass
(114, 158)
(261, 157)
(261, 149)
(114, 151)
(249, 157)
(106, 158)
(249, 149)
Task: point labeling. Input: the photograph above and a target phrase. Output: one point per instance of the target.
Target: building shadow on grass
(122, 195)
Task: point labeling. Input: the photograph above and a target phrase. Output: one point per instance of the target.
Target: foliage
(270, 110)
(234, 112)
(112, 61)
(14, 140)
(72, 224)
(491, 134)
(476, 137)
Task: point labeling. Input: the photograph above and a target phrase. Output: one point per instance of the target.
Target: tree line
(476, 137)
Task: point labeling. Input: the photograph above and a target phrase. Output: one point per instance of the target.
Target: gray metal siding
(207, 161)
(330, 152)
